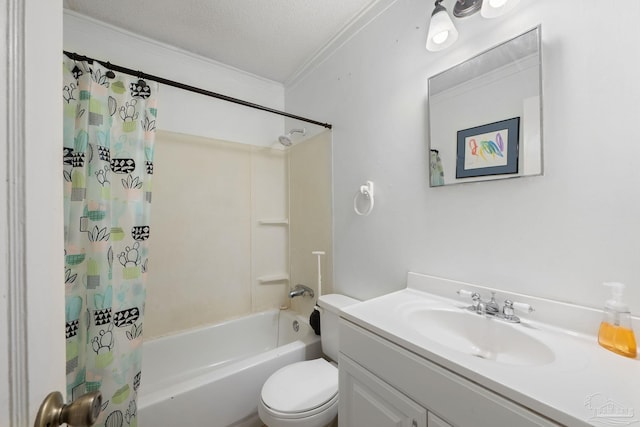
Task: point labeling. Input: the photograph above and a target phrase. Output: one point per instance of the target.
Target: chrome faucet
(301, 290)
(491, 308)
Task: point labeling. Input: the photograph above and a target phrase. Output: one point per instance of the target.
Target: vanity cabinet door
(365, 400)
(435, 421)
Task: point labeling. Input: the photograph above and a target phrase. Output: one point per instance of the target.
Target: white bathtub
(212, 377)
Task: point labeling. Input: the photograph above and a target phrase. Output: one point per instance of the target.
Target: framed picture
(490, 149)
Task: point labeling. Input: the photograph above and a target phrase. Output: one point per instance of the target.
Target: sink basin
(480, 336)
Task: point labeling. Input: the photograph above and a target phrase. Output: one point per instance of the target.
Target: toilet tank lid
(335, 302)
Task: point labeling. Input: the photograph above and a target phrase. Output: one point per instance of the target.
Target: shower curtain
(436, 170)
(109, 132)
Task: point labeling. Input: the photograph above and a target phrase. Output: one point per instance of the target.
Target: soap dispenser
(616, 333)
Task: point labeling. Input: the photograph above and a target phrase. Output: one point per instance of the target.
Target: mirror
(485, 115)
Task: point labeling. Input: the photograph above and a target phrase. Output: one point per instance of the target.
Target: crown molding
(359, 22)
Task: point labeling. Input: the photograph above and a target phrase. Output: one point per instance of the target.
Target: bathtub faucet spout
(301, 290)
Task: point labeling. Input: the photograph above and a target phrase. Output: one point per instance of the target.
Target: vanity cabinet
(383, 384)
(365, 400)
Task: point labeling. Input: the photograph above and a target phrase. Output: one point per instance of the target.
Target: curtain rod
(140, 74)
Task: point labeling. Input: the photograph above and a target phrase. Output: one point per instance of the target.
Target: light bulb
(495, 8)
(442, 32)
(441, 37)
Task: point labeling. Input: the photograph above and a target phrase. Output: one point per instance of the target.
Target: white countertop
(582, 377)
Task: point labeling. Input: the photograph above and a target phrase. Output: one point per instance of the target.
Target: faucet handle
(475, 297)
(510, 307)
(520, 306)
(466, 294)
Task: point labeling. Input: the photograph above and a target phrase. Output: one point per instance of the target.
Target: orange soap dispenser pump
(616, 333)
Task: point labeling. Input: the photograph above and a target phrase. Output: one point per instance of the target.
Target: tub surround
(310, 218)
(567, 389)
(253, 217)
(209, 248)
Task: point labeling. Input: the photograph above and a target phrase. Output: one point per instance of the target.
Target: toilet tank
(330, 306)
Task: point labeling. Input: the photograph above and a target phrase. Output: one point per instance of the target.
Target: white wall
(559, 235)
(181, 111)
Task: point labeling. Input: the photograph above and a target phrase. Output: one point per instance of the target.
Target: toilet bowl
(305, 394)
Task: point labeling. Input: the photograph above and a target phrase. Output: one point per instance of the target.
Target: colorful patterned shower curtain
(109, 132)
(435, 167)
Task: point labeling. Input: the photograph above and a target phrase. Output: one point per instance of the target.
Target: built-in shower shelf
(275, 221)
(274, 278)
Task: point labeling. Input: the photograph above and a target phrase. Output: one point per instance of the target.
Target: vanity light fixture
(442, 31)
(464, 8)
(495, 8)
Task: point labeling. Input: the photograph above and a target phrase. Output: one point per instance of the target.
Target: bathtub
(212, 377)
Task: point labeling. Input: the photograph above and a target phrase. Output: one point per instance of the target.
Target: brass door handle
(82, 412)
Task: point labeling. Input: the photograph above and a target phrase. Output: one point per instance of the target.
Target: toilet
(305, 394)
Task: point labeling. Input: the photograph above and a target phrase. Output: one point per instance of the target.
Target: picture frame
(490, 149)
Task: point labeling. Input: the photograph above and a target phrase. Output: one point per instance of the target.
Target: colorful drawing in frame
(490, 149)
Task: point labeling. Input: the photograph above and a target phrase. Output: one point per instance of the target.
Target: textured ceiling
(270, 38)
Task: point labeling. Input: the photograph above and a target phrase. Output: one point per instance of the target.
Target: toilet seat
(330, 406)
(301, 389)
